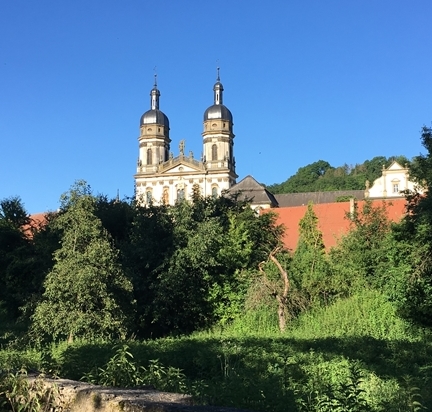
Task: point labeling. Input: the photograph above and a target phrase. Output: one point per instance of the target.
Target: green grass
(355, 350)
(367, 314)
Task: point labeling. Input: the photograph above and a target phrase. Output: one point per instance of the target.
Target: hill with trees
(320, 176)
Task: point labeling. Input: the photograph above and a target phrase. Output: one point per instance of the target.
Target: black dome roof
(154, 116)
(218, 111)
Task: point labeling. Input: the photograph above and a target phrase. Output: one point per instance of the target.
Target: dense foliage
(111, 269)
(410, 277)
(320, 176)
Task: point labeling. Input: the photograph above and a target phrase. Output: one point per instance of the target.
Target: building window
(180, 195)
(395, 188)
(214, 191)
(149, 197)
(214, 152)
(149, 157)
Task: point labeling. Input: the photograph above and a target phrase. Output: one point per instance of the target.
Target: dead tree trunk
(281, 297)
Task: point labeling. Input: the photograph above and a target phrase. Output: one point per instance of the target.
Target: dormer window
(395, 187)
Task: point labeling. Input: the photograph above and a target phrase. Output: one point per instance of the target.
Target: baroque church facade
(162, 178)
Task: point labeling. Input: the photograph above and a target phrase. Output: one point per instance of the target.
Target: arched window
(214, 152)
(180, 195)
(149, 157)
(214, 191)
(149, 197)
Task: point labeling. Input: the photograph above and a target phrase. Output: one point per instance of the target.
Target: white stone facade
(174, 180)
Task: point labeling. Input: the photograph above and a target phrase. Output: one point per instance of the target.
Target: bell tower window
(149, 157)
(214, 152)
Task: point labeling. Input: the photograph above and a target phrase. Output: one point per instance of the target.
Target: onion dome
(154, 115)
(218, 110)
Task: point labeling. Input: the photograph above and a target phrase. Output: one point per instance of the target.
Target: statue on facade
(182, 147)
(165, 196)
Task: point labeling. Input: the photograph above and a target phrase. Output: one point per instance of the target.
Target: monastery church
(162, 178)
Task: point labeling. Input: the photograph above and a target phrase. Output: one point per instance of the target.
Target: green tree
(13, 212)
(359, 257)
(116, 217)
(86, 293)
(182, 301)
(309, 266)
(150, 243)
(190, 262)
(305, 180)
(409, 279)
(20, 274)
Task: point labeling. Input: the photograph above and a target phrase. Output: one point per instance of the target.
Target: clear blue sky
(337, 80)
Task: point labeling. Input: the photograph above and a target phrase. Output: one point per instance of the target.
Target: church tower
(218, 138)
(154, 141)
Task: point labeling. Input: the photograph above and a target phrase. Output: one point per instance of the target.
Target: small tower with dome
(218, 136)
(154, 141)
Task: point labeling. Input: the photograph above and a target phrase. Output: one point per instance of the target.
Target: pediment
(176, 167)
(181, 169)
(395, 166)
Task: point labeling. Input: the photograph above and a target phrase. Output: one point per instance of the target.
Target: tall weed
(19, 394)
(122, 371)
(366, 314)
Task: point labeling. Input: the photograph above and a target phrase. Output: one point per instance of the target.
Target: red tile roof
(332, 219)
(37, 221)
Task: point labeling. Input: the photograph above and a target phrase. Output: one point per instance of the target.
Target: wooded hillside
(321, 176)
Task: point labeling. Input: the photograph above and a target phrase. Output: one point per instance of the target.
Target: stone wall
(73, 396)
